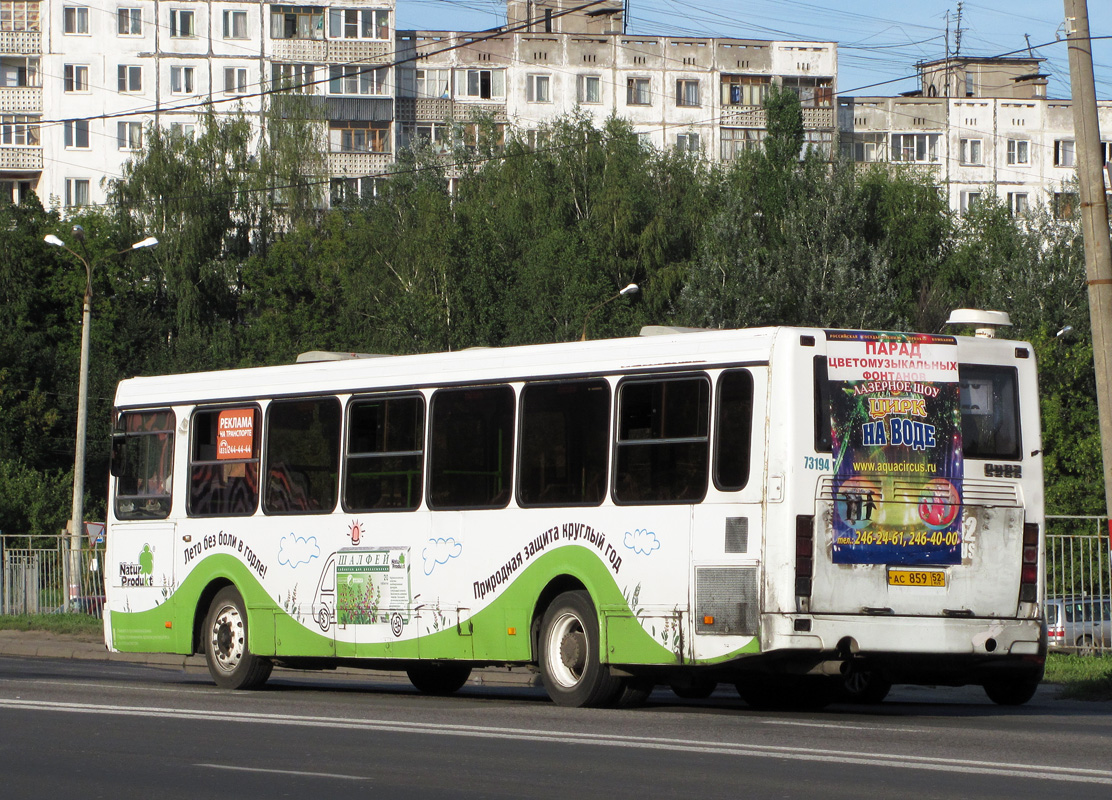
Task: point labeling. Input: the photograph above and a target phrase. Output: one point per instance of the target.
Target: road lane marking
(294, 772)
(901, 761)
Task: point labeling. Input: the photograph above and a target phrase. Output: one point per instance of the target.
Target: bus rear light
(804, 554)
(1029, 573)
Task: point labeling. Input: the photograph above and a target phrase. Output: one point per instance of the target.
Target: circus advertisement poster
(895, 420)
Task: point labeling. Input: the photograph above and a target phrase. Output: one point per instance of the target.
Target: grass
(1081, 677)
(54, 623)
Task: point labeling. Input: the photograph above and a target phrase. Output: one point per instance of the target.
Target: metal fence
(35, 577)
(1079, 583)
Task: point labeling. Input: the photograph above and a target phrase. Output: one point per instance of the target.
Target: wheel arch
(553, 589)
(201, 611)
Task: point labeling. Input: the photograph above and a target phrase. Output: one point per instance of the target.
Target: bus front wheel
(230, 660)
(439, 677)
(571, 669)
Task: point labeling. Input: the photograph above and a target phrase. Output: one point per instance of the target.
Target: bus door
(728, 524)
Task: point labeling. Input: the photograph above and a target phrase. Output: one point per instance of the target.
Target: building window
(970, 86)
(182, 21)
(687, 142)
(291, 76)
(76, 133)
(971, 152)
(822, 142)
(77, 192)
(129, 135)
(296, 22)
(75, 19)
(813, 92)
(183, 129)
(967, 199)
(537, 89)
(637, 92)
(18, 130)
(589, 89)
(915, 148)
(19, 71)
(735, 140)
(472, 135)
(129, 21)
(687, 93)
(744, 90)
(359, 137)
(481, 84)
(1019, 151)
(1064, 205)
(75, 78)
(235, 80)
(428, 134)
(356, 80)
(1064, 153)
(181, 80)
(235, 24)
(20, 15)
(867, 148)
(1017, 203)
(129, 78)
(434, 83)
(358, 23)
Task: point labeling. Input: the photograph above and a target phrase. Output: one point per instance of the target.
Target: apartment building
(80, 81)
(980, 127)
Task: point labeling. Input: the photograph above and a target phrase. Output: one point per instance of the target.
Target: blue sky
(877, 41)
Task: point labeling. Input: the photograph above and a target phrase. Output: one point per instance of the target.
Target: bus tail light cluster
(1029, 574)
(804, 554)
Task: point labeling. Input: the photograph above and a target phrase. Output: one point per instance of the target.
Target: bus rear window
(989, 412)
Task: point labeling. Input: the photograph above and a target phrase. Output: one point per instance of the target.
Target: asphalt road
(86, 729)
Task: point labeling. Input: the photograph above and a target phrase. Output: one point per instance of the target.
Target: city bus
(803, 513)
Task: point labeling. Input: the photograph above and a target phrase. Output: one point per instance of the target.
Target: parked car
(1081, 625)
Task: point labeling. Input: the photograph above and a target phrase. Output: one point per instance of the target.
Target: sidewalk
(43, 644)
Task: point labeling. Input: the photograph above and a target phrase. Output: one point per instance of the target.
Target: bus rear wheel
(571, 670)
(231, 663)
(1014, 692)
(439, 677)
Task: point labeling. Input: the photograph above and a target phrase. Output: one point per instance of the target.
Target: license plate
(916, 577)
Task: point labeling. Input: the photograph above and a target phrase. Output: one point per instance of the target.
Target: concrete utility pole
(1094, 220)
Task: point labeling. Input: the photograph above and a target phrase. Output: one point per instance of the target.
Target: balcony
(24, 43)
(358, 164)
(21, 159)
(21, 100)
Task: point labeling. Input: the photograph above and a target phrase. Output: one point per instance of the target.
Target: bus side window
(734, 430)
(143, 464)
(385, 454)
(565, 428)
(662, 450)
(302, 456)
(823, 438)
(471, 447)
(224, 462)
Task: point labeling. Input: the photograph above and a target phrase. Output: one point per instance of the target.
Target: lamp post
(78, 511)
(632, 288)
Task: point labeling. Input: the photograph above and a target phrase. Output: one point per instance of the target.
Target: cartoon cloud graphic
(438, 551)
(641, 541)
(297, 550)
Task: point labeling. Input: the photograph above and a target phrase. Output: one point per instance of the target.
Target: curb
(33, 644)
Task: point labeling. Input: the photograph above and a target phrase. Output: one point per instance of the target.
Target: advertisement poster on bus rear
(895, 420)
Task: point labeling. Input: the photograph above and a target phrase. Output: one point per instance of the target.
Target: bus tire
(786, 692)
(1011, 692)
(231, 663)
(439, 677)
(697, 689)
(568, 654)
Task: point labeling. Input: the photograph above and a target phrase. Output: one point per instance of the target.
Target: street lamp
(632, 288)
(78, 511)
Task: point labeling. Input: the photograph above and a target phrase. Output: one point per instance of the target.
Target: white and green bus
(788, 510)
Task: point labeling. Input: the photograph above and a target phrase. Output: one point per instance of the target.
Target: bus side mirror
(118, 465)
